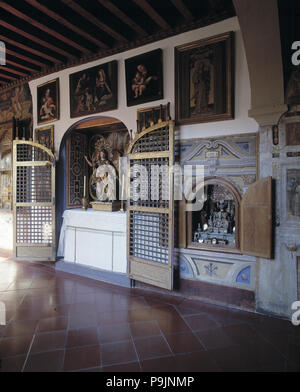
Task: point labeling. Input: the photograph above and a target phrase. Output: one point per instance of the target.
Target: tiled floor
(59, 322)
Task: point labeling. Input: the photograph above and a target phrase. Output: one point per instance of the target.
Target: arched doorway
(78, 142)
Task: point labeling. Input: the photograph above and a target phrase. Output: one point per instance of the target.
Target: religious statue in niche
(103, 182)
(215, 224)
(103, 179)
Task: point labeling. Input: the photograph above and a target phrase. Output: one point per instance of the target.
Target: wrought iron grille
(28, 152)
(76, 169)
(34, 202)
(149, 233)
(150, 182)
(150, 215)
(33, 184)
(34, 225)
(157, 140)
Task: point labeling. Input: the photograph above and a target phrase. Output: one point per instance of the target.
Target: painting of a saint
(94, 90)
(293, 194)
(204, 80)
(202, 83)
(48, 102)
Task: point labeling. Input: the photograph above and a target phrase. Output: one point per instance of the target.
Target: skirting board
(93, 273)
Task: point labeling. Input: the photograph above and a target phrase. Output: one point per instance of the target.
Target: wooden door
(256, 219)
(150, 237)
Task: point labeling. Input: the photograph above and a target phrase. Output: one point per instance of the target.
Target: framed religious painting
(45, 136)
(144, 78)
(48, 102)
(204, 82)
(94, 90)
(291, 196)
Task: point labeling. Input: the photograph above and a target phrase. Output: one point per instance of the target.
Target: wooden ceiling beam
(40, 26)
(7, 77)
(37, 40)
(20, 66)
(25, 58)
(13, 71)
(182, 8)
(66, 23)
(121, 15)
(92, 19)
(29, 49)
(150, 11)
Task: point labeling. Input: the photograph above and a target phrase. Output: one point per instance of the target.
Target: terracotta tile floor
(60, 322)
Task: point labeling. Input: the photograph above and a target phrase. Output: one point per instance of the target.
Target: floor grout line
(28, 353)
(77, 290)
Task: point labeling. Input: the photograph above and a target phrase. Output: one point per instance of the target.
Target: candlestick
(84, 186)
(122, 192)
(123, 185)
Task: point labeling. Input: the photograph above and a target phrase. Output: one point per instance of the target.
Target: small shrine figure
(104, 176)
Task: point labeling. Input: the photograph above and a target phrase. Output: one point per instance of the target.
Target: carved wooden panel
(76, 169)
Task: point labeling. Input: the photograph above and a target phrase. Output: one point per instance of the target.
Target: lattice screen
(150, 216)
(34, 210)
(76, 149)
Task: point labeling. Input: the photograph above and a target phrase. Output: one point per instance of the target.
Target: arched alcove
(215, 226)
(87, 127)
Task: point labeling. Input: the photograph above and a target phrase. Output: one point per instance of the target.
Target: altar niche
(216, 225)
(88, 148)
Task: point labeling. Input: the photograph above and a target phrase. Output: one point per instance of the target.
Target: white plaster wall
(241, 123)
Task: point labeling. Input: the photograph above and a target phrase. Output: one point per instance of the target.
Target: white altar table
(94, 239)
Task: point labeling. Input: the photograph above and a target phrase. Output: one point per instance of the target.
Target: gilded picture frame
(48, 102)
(45, 136)
(204, 83)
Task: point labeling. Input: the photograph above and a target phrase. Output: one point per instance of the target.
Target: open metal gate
(150, 217)
(33, 201)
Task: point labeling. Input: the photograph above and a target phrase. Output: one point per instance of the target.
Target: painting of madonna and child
(94, 90)
(144, 78)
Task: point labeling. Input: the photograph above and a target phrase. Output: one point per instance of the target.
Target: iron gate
(150, 218)
(33, 201)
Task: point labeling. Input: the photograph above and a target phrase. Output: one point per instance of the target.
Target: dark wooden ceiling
(43, 36)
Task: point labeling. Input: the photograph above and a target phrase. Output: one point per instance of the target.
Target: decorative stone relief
(231, 157)
(216, 270)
